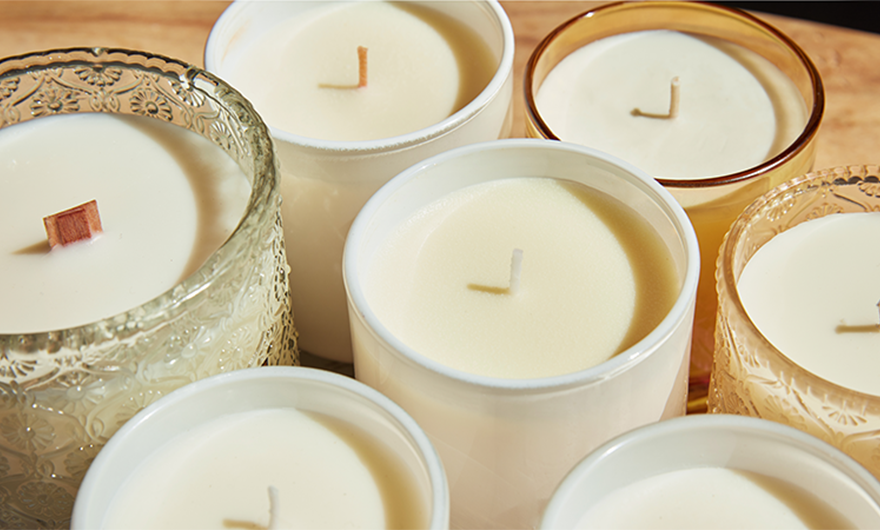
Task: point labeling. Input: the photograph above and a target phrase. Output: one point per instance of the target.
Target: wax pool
(302, 74)
(712, 498)
(736, 109)
(327, 474)
(595, 279)
(167, 197)
(813, 291)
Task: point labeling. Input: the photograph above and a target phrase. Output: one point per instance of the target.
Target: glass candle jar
(64, 392)
(712, 202)
(753, 377)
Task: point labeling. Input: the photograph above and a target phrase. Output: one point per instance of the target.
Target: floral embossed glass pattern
(750, 376)
(64, 393)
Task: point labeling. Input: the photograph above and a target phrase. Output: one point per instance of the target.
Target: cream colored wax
(167, 198)
(813, 292)
(594, 279)
(712, 498)
(736, 109)
(302, 74)
(327, 474)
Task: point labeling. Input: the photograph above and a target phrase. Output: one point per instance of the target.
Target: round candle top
(703, 498)
(813, 292)
(594, 278)
(327, 474)
(735, 109)
(167, 198)
(302, 75)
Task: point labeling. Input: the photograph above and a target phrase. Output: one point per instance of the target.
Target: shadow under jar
(822, 386)
(760, 56)
(65, 390)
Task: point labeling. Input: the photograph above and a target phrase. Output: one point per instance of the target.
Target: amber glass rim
(811, 128)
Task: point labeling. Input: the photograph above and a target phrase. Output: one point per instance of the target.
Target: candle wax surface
(216, 475)
(813, 290)
(595, 279)
(167, 199)
(712, 498)
(736, 111)
(302, 74)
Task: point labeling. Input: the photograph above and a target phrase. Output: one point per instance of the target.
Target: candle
(501, 243)
(179, 284)
(274, 447)
(839, 316)
(595, 279)
(163, 216)
(797, 317)
(715, 471)
(439, 76)
(736, 109)
(748, 106)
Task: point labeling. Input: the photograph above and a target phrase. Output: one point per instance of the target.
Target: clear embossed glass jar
(753, 377)
(63, 393)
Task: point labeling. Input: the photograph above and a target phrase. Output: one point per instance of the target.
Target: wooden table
(847, 59)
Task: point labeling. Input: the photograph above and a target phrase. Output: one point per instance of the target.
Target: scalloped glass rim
(725, 275)
(173, 301)
(800, 143)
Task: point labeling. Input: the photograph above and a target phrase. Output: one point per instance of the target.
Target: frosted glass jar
(64, 392)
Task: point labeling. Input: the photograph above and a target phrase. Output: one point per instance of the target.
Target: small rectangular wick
(74, 224)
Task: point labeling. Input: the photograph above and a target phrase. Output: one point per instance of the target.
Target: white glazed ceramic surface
(305, 389)
(718, 440)
(347, 173)
(506, 443)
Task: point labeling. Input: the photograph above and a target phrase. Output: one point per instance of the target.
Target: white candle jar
(751, 376)
(253, 392)
(64, 392)
(791, 460)
(506, 443)
(712, 202)
(326, 182)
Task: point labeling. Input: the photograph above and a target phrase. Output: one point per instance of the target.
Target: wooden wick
(674, 101)
(515, 271)
(362, 66)
(72, 225)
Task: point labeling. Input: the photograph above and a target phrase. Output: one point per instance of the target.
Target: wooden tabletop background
(847, 59)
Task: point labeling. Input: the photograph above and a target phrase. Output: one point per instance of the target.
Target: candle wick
(273, 508)
(362, 66)
(515, 271)
(74, 224)
(674, 102)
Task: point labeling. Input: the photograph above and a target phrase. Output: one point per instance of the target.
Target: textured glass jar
(712, 203)
(63, 393)
(752, 377)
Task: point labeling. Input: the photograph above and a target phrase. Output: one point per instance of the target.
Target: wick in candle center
(74, 224)
(513, 284)
(674, 101)
(868, 328)
(362, 66)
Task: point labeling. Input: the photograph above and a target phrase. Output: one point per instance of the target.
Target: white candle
(712, 497)
(168, 199)
(595, 279)
(813, 291)
(439, 76)
(735, 109)
(422, 67)
(216, 475)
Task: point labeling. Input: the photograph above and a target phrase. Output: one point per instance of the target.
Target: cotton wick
(674, 99)
(362, 66)
(273, 508)
(74, 224)
(515, 270)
